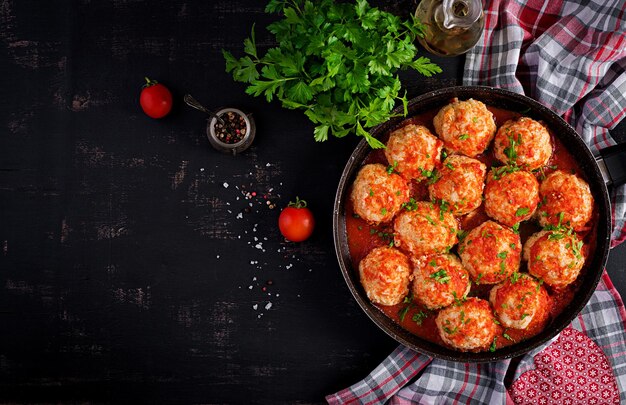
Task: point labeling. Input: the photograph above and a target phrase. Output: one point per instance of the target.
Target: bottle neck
(459, 13)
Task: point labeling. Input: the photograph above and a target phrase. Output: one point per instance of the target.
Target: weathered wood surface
(125, 272)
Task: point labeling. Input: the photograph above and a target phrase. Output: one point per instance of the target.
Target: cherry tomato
(155, 99)
(296, 222)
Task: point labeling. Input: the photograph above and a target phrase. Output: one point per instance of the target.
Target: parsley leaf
(337, 62)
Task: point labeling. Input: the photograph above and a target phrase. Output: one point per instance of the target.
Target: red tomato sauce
(362, 238)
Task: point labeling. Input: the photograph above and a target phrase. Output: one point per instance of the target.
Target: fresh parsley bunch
(336, 61)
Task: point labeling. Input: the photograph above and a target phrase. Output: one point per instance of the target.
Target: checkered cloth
(571, 58)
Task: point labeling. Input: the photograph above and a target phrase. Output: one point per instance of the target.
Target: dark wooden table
(133, 267)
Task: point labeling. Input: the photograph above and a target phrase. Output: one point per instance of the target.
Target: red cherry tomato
(296, 222)
(155, 99)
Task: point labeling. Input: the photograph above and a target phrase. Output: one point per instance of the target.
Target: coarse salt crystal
(218, 256)
(289, 266)
(249, 287)
(202, 169)
(268, 305)
(253, 278)
(255, 306)
(259, 246)
(267, 165)
(225, 185)
(239, 216)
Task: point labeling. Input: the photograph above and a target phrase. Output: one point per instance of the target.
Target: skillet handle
(613, 164)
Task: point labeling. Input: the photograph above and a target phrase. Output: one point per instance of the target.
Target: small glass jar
(231, 148)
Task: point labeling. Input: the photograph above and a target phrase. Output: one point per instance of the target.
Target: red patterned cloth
(571, 370)
(570, 57)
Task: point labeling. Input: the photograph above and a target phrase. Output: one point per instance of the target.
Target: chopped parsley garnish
(402, 313)
(457, 301)
(516, 228)
(510, 150)
(419, 317)
(503, 254)
(430, 220)
(492, 348)
(408, 300)
(433, 263)
(506, 336)
(440, 276)
(392, 168)
(371, 193)
(498, 172)
(463, 137)
(522, 211)
(410, 206)
(449, 166)
(432, 175)
(383, 211)
(515, 276)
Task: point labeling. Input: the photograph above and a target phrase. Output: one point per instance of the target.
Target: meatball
(412, 150)
(460, 185)
(556, 257)
(511, 197)
(425, 229)
(466, 127)
(490, 253)
(468, 326)
(385, 275)
(439, 280)
(523, 142)
(565, 200)
(377, 195)
(520, 301)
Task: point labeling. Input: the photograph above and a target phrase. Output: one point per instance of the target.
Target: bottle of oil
(451, 27)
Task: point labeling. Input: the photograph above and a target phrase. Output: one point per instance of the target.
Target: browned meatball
(520, 301)
(523, 142)
(439, 280)
(385, 275)
(490, 252)
(565, 200)
(413, 150)
(460, 185)
(511, 197)
(468, 326)
(556, 257)
(466, 127)
(425, 230)
(377, 195)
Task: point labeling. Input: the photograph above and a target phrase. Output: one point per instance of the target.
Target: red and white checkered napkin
(571, 58)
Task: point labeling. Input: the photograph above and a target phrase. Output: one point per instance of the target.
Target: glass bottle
(451, 27)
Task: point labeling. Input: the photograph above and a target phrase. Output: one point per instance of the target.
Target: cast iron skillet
(598, 175)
